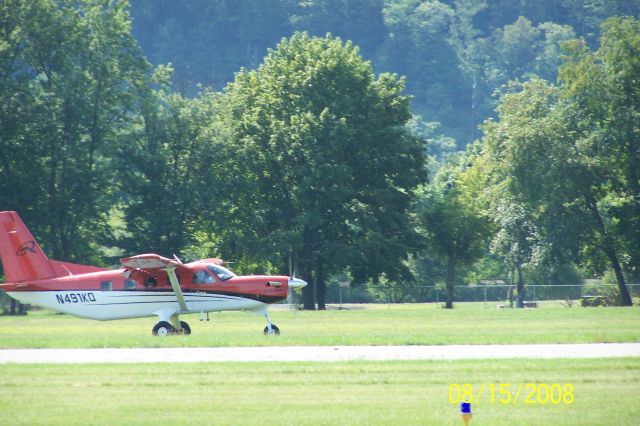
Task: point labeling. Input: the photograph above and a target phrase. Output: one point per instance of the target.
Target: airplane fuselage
(110, 295)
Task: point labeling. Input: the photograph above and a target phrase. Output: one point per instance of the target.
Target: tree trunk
(609, 249)
(308, 299)
(320, 287)
(510, 289)
(520, 288)
(451, 275)
(307, 291)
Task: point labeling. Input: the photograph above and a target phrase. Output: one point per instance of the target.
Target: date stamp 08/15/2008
(512, 394)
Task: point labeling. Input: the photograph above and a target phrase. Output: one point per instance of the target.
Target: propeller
(294, 282)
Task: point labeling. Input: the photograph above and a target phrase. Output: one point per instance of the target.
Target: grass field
(605, 391)
(344, 393)
(420, 324)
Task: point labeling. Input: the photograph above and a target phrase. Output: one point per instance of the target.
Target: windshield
(222, 273)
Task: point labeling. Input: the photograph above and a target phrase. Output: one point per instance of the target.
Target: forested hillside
(454, 53)
(420, 143)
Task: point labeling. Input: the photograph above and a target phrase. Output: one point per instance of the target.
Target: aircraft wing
(148, 261)
(152, 261)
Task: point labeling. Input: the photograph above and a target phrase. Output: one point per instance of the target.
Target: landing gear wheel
(186, 330)
(163, 328)
(274, 330)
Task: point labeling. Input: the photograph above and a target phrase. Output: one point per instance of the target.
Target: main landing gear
(271, 329)
(163, 328)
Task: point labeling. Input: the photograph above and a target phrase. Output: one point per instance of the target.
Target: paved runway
(316, 353)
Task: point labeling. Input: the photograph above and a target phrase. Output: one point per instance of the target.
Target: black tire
(275, 329)
(163, 328)
(186, 330)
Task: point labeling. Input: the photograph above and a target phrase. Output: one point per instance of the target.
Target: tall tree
(553, 169)
(455, 230)
(72, 65)
(331, 166)
(603, 94)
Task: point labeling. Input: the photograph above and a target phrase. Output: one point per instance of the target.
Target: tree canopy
(330, 166)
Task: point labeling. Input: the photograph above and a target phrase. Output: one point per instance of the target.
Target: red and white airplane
(146, 285)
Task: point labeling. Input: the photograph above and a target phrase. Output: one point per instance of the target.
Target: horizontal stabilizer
(66, 268)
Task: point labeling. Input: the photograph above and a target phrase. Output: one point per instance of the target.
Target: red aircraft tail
(22, 257)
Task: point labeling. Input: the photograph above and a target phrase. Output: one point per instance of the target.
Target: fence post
(534, 293)
(485, 295)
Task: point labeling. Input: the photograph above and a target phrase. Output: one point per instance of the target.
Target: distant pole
(290, 295)
(341, 285)
(485, 294)
(534, 293)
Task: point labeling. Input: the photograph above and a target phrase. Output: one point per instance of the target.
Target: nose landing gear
(271, 329)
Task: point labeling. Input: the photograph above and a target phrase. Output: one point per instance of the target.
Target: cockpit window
(222, 273)
(203, 277)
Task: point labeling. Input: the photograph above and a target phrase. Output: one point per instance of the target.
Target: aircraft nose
(296, 283)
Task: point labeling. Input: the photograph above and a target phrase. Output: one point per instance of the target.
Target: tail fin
(22, 257)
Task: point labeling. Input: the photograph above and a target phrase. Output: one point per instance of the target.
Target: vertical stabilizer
(22, 257)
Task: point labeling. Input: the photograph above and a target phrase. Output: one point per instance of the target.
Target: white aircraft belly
(109, 305)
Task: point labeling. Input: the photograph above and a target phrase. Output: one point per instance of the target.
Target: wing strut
(173, 279)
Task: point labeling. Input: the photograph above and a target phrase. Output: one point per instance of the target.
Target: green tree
(603, 93)
(329, 167)
(470, 49)
(69, 70)
(553, 168)
(455, 230)
(417, 45)
(20, 177)
(619, 51)
(358, 20)
(517, 240)
(208, 41)
(167, 168)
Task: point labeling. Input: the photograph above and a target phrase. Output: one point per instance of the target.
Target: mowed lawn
(604, 392)
(411, 324)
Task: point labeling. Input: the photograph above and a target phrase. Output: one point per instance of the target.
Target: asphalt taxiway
(316, 353)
